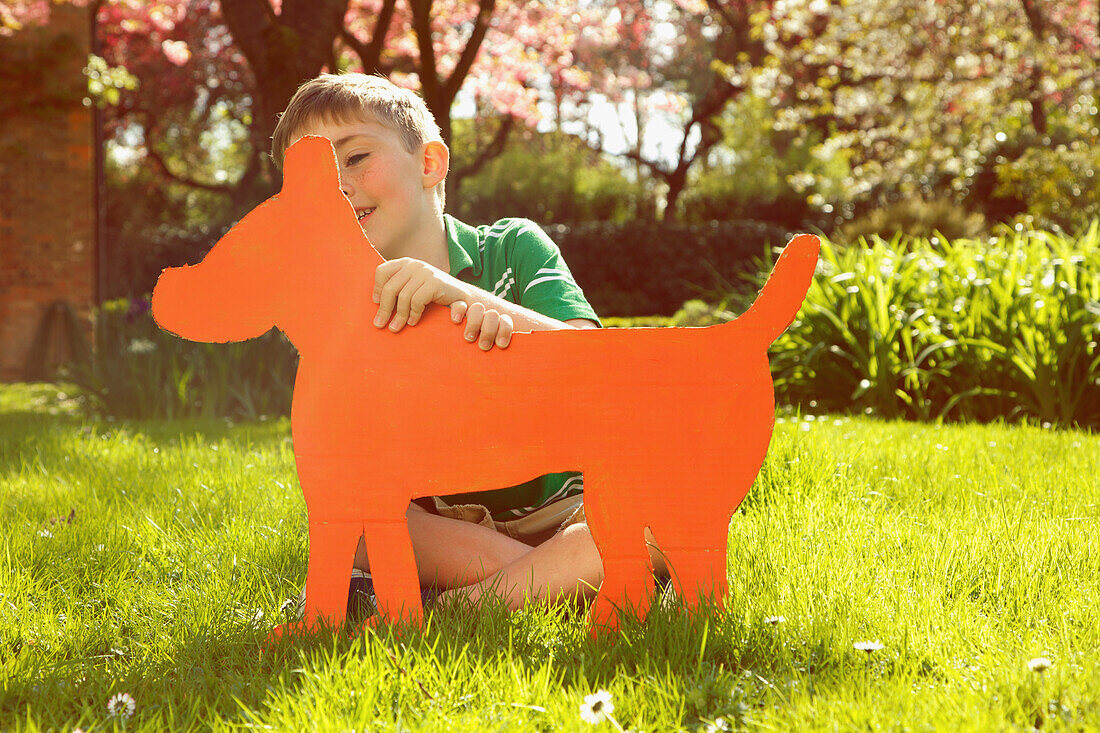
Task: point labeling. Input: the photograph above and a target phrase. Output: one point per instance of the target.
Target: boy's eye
(357, 158)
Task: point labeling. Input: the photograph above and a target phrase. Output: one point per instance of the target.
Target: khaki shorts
(532, 529)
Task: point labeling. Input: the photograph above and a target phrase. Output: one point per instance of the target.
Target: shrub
(141, 371)
(547, 177)
(1056, 181)
(915, 218)
(978, 329)
(645, 268)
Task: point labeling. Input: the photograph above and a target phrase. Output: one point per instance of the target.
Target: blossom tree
(931, 97)
(663, 58)
(213, 75)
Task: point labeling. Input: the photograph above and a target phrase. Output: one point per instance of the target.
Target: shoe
(362, 602)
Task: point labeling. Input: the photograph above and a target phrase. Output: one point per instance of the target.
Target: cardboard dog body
(669, 426)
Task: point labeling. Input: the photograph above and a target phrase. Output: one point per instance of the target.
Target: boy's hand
(485, 325)
(404, 287)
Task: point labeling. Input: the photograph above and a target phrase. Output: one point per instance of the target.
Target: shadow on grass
(29, 437)
(695, 667)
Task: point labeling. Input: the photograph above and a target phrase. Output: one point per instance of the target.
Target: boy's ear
(437, 160)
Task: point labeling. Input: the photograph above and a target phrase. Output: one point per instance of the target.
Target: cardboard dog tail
(779, 300)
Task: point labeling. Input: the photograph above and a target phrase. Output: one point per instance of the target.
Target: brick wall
(47, 215)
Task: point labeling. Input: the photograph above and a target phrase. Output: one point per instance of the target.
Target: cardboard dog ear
(310, 167)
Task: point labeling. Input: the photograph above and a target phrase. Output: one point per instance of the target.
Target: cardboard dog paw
(283, 631)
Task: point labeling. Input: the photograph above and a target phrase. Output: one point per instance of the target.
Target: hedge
(647, 268)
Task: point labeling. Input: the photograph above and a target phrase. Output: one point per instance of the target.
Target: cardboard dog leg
(331, 546)
(393, 569)
(619, 532)
(696, 557)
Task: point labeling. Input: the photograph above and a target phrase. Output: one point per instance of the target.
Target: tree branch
(370, 54)
(487, 152)
(162, 167)
(422, 26)
(249, 22)
(159, 163)
(358, 47)
(378, 38)
(469, 53)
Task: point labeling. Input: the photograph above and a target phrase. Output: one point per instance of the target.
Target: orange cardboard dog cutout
(669, 426)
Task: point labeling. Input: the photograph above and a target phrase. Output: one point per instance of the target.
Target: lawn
(152, 558)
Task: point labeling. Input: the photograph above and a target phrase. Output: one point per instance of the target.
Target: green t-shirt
(515, 260)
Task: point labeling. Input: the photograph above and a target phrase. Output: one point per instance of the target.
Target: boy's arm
(404, 287)
(494, 325)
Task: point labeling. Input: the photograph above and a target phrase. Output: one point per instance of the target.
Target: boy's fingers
(387, 299)
(404, 305)
(382, 275)
(489, 328)
(458, 310)
(474, 316)
(424, 295)
(504, 332)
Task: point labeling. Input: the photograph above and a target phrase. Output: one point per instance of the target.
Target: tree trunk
(676, 181)
(283, 51)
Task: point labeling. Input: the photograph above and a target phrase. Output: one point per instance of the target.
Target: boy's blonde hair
(348, 98)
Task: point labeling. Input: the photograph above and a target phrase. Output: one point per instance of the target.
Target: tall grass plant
(930, 328)
(141, 371)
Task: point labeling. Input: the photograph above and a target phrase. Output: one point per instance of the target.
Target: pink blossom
(176, 51)
(576, 78)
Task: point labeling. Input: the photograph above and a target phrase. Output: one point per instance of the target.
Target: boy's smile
(391, 189)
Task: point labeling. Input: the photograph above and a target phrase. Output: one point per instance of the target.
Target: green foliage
(547, 177)
(106, 83)
(915, 217)
(637, 322)
(643, 268)
(150, 227)
(933, 328)
(759, 172)
(140, 371)
(1059, 183)
(155, 220)
(153, 558)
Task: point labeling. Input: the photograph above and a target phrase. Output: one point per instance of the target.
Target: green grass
(965, 550)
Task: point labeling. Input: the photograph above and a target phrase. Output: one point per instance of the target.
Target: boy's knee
(577, 532)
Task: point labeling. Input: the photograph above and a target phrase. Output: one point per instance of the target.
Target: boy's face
(391, 189)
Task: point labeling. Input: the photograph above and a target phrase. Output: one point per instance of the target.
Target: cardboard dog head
(297, 257)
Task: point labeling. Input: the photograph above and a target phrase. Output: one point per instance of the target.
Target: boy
(510, 276)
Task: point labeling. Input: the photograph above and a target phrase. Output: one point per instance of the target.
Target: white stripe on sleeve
(559, 275)
(505, 283)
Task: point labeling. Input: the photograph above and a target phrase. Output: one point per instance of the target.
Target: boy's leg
(451, 553)
(567, 565)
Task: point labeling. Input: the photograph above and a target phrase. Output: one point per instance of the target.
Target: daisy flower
(867, 646)
(598, 706)
(121, 706)
(1039, 664)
